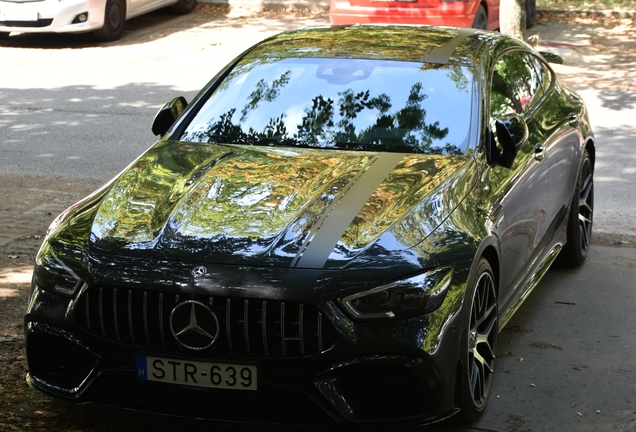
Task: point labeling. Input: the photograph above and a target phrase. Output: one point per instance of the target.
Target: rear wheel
(114, 21)
(531, 13)
(580, 218)
(479, 344)
(183, 7)
(481, 19)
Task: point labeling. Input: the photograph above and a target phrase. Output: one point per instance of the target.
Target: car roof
(429, 44)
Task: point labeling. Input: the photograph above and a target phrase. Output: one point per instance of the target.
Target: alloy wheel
(482, 339)
(586, 205)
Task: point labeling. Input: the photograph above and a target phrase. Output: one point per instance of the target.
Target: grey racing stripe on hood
(347, 207)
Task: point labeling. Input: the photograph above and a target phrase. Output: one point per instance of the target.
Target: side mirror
(167, 115)
(512, 134)
(551, 57)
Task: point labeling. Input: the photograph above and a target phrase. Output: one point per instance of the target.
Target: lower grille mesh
(204, 325)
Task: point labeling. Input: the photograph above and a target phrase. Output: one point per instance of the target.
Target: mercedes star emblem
(194, 325)
(199, 271)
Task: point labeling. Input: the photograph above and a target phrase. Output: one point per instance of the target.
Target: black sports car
(334, 231)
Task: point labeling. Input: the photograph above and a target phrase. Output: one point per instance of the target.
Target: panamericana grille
(246, 327)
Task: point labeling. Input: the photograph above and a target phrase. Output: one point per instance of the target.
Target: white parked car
(105, 18)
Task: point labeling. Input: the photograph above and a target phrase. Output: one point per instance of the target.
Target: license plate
(18, 14)
(196, 373)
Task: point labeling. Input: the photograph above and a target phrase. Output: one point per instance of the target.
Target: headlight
(404, 298)
(57, 222)
(60, 261)
(52, 274)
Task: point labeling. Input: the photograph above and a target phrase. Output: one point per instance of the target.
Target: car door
(556, 121)
(520, 192)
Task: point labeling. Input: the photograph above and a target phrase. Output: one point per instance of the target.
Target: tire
(481, 19)
(580, 218)
(183, 7)
(531, 13)
(4, 35)
(479, 344)
(114, 21)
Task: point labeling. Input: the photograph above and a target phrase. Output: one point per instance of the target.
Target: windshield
(339, 103)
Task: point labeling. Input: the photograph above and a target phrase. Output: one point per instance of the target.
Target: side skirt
(533, 281)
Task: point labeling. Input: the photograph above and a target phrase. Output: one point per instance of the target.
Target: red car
(482, 14)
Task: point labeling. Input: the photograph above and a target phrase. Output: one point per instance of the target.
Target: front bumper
(385, 373)
(56, 16)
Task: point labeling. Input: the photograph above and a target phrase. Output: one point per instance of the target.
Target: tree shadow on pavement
(599, 53)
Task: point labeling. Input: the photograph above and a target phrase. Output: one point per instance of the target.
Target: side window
(516, 84)
(503, 99)
(545, 75)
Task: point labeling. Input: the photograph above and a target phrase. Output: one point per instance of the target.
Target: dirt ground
(28, 204)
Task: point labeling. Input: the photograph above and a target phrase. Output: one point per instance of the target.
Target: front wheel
(479, 344)
(114, 22)
(481, 19)
(580, 218)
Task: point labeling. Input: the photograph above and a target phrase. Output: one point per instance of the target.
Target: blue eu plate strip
(142, 369)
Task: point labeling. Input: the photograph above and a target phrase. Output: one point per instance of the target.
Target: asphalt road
(71, 109)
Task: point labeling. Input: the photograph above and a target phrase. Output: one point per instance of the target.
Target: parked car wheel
(531, 13)
(114, 22)
(479, 344)
(481, 19)
(183, 7)
(581, 215)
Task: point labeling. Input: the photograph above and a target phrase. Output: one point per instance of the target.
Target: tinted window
(339, 103)
(516, 84)
(544, 73)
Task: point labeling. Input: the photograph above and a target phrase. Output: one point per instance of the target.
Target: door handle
(573, 119)
(539, 152)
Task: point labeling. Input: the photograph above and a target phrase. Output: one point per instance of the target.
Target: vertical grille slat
(163, 338)
(88, 311)
(130, 317)
(282, 328)
(228, 326)
(300, 328)
(319, 331)
(245, 327)
(264, 326)
(146, 318)
(101, 312)
(115, 318)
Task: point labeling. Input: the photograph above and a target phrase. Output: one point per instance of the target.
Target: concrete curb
(313, 6)
(617, 13)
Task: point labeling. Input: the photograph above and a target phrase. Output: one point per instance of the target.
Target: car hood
(272, 206)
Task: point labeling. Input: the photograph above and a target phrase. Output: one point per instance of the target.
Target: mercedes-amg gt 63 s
(334, 231)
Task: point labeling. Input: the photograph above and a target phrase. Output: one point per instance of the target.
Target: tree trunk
(512, 18)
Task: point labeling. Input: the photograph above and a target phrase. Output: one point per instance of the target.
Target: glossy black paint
(243, 228)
